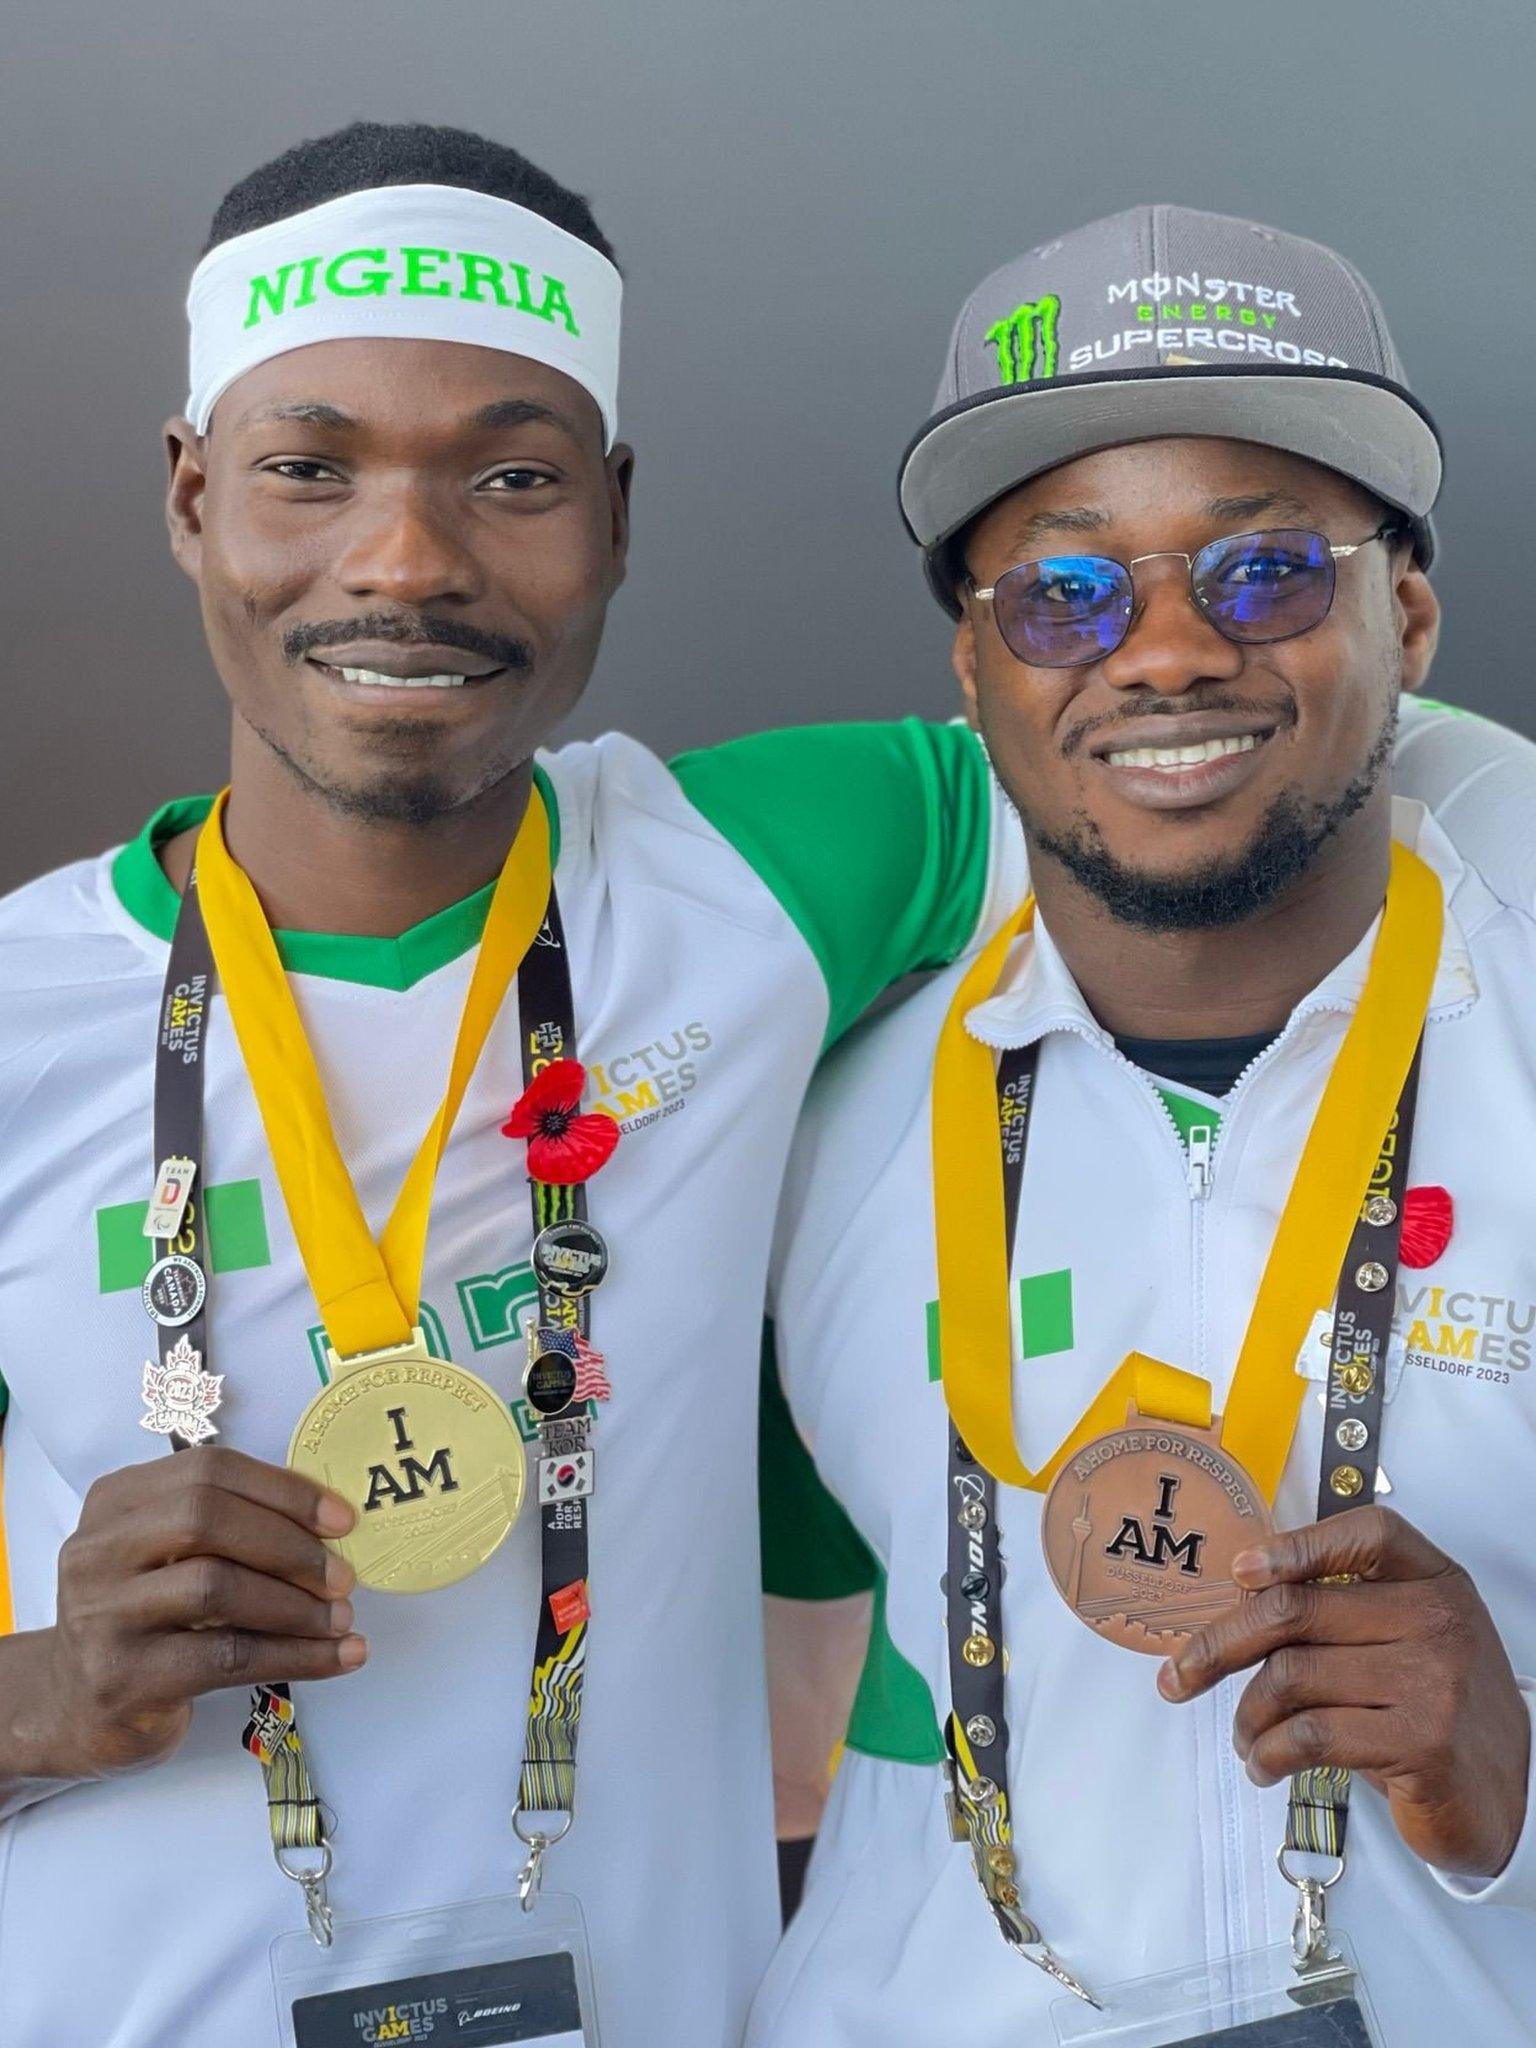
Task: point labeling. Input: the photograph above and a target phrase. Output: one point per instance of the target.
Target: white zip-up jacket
(1142, 1844)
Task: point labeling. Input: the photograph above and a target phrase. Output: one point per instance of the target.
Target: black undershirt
(1210, 1064)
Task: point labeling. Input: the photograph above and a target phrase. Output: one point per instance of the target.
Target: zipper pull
(1202, 1138)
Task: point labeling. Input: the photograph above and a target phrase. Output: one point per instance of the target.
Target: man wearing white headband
(398, 489)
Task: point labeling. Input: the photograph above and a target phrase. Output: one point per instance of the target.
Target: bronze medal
(429, 1456)
(1140, 1530)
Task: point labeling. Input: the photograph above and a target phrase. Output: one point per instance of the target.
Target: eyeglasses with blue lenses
(1067, 610)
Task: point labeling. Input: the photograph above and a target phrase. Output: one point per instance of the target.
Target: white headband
(426, 262)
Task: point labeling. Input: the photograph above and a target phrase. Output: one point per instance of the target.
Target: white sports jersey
(1142, 1844)
(138, 1913)
(1479, 779)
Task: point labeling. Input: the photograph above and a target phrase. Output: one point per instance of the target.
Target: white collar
(1036, 993)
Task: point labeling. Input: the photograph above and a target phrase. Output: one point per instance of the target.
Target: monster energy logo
(1026, 341)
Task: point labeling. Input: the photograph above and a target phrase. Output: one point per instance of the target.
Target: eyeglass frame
(1390, 529)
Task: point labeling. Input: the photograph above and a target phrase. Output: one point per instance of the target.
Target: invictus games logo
(653, 1081)
(1465, 1334)
(409, 2019)
(415, 273)
(1026, 341)
(181, 1025)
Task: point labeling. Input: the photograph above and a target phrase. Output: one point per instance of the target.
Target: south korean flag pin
(567, 1478)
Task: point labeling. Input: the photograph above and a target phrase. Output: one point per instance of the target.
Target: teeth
(1182, 757)
(373, 675)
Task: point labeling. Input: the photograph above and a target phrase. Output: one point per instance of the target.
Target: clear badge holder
(485, 1974)
(1258, 2000)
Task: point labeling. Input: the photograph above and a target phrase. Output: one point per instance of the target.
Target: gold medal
(426, 1452)
(429, 1456)
(1140, 1530)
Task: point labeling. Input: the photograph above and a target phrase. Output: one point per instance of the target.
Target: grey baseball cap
(1156, 321)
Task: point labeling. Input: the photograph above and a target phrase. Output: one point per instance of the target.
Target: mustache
(1281, 709)
(427, 630)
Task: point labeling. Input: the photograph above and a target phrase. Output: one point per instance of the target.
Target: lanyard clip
(1309, 1929)
(531, 1876)
(1310, 1947)
(1020, 1932)
(1045, 1958)
(311, 1881)
(538, 1842)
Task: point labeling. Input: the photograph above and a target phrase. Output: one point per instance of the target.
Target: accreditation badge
(427, 1453)
(1258, 2000)
(486, 1973)
(1140, 1529)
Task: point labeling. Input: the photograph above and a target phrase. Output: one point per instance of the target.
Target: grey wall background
(801, 193)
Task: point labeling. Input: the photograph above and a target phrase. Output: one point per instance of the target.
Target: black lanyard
(569, 1261)
(1318, 1814)
(976, 1733)
(176, 1296)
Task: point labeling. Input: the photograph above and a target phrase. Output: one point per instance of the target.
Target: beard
(395, 780)
(401, 790)
(1227, 888)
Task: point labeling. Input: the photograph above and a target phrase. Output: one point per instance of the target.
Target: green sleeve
(874, 838)
(811, 1551)
(5, 1399)
(893, 1712)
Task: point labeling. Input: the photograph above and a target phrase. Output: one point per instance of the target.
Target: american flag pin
(592, 1383)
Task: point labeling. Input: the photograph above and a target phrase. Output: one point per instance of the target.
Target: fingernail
(341, 1617)
(334, 1517)
(352, 1652)
(339, 1575)
(1170, 1681)
(1250, 1565)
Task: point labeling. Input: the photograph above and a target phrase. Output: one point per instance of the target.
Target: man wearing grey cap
(1071, 347)
(1195, 1215)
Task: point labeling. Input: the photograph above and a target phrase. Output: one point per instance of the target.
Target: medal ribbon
(368, 1293)
(975, 1326)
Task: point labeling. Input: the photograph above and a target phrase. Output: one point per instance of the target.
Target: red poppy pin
(565, 1145)
(1428, 1214)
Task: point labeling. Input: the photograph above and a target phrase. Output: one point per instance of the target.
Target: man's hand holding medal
(187, 1575)
(1398, 1675)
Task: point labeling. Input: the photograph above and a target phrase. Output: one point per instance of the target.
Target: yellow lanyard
(368, 1293)
(1264, 1400)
